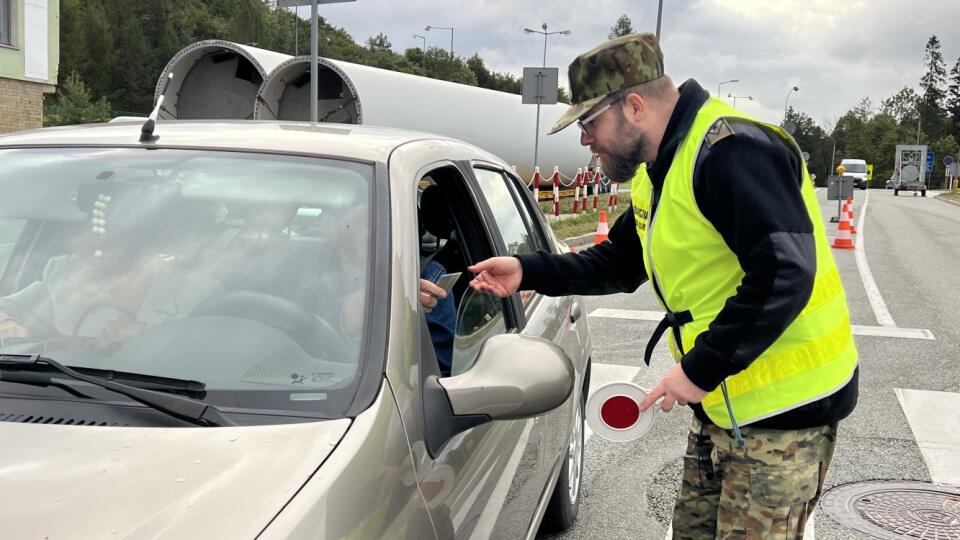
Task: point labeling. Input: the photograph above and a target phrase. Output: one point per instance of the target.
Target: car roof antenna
(146, 131)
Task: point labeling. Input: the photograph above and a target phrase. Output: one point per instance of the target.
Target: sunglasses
(583, 124)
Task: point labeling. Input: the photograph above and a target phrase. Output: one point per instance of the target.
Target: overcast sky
(836, 51)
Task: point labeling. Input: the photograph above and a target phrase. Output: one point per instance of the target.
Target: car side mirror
(514, 377)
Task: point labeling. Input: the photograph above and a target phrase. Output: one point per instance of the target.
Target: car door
(470, 481)
(549, 318)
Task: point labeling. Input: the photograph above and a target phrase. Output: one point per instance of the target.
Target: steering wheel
(314, 334)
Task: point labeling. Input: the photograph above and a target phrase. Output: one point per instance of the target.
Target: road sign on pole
(947, 161)
(930, 157)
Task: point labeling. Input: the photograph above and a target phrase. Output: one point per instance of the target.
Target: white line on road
(892, 331)
(873, 292)
(858, 330)
(633, 314)
(934, 418)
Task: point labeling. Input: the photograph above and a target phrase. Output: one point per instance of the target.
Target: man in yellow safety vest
(726, 227)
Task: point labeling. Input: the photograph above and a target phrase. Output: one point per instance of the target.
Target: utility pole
(423, 59)
(536, 140)
(314, 23)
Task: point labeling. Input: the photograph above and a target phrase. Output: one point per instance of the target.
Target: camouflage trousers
(767, 489)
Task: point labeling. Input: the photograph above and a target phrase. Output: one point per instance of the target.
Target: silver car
(216, 333)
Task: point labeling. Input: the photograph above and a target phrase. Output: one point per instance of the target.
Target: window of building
(6, 22)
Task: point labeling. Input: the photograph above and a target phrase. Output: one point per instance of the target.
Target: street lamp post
(833, 154)
(450, 28)
(735, 98)
(725, 82)
(918, 124)
(659, 16)
(423, 59)
(792, 90)
(536, 134)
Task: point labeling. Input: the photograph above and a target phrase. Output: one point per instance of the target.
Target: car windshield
(247, 272)
(855, 167)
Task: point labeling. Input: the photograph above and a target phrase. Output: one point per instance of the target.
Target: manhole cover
(896, 509)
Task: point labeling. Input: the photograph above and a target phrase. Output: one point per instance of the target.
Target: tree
(953, 100)
(811, 139)
(441, 65)
(932, 94)
(622, 27)
(902, 106)
(75, 105)
(941, 147)
(379, 43)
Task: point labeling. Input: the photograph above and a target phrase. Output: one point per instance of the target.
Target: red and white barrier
(556, 191)
(536, 184)
(596, 190)
(614, 198)
(576, 192)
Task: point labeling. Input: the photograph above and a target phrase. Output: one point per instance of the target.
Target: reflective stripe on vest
(694, 270)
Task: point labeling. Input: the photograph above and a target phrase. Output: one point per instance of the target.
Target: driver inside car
(121, 274)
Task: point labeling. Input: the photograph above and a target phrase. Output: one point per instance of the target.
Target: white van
(857, 168)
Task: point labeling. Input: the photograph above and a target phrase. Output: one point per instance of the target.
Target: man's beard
(620, 164)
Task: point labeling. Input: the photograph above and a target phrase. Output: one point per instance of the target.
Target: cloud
(836, 52)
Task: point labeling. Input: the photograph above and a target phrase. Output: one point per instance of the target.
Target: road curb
(946, 200)
(579, 241)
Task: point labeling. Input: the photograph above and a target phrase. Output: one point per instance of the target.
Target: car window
(9, 232)
(480, 316)
(516, 236)
(521, 196)
(246, 272)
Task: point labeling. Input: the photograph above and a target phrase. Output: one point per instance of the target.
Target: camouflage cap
(608, 67)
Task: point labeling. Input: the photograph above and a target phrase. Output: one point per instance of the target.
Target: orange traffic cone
(843, 239)
(853, 228)
(602, 229)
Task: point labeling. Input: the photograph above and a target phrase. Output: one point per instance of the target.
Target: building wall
(21, 104)
(21, 95)
(12, 59)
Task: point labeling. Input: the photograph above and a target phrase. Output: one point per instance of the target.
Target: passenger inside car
(442, 318)
(122, 272)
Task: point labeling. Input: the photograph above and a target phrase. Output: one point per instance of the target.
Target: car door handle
(575, 312)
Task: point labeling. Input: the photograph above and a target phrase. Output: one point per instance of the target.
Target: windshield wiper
(184, 408)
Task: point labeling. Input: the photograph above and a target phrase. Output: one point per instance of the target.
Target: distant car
(217, 334)
(857, 168)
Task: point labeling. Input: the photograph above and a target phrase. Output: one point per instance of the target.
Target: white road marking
(934, 418)
(602, 374)
(873, 292)
(858, 330)
(892, 331)
(633, 314)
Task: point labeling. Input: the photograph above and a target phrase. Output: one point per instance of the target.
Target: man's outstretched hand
(675, 387)
(497, 275)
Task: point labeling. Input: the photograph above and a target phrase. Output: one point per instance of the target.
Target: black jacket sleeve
(609, 267)
(748, 187)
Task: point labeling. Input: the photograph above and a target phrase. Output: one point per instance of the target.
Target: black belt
(670, 320)
(674, 321)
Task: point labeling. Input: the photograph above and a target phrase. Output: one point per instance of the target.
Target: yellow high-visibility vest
(694, 271)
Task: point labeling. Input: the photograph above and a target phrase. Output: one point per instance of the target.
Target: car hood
(117, 482)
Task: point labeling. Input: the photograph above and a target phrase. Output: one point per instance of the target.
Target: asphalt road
(912, 248)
